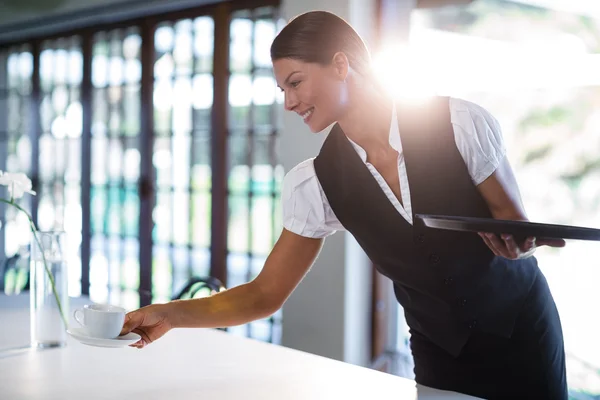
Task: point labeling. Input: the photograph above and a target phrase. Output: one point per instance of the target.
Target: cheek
(329, 96)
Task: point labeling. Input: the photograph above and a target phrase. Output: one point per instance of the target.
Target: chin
(314, 128)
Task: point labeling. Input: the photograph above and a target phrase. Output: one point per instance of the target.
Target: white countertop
(187, 364)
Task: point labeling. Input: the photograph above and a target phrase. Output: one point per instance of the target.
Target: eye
(294, 84)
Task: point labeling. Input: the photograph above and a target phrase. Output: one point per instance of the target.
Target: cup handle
(77, 314)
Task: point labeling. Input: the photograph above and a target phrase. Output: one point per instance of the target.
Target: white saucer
(121, 341)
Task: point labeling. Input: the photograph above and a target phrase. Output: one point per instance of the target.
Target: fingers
(145, 337)
(140, 344)
(529, 244)
(144, 340)
(506, 247)
(488, 242)
(498, 244)
(512, 248)
(132, 321)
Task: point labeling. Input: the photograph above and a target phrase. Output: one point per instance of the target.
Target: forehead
(288, 65)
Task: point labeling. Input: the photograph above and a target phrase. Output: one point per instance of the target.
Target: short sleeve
(305, 209)
(478, 138)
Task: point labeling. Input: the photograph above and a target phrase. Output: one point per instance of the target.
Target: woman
(482, 319)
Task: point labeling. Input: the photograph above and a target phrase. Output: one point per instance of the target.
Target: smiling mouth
(306, 115)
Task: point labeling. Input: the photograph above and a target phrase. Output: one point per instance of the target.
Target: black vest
(448, 283)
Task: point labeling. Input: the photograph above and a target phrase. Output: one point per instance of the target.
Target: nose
(290, 101)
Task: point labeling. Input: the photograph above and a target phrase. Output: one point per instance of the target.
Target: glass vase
(49, 296)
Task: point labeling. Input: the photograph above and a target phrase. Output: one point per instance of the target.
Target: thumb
(132, 321)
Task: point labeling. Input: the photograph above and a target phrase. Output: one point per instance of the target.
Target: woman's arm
(501, 193)
(289, 261)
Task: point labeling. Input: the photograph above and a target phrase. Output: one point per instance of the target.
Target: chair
(13, 278)
(199, 287)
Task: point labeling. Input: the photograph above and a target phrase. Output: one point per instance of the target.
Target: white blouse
(478, 138)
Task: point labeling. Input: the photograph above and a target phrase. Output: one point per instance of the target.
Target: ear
(341, 65)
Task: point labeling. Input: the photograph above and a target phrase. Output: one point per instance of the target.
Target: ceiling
(31, 5)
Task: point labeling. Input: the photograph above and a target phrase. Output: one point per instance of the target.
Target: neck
(367, 118)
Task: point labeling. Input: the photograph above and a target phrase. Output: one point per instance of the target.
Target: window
(16, 93)
(141, 122)
(183, 103)
(115, 166)
(254, 173)
(59, 146)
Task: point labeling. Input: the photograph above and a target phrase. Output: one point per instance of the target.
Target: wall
(329, 313)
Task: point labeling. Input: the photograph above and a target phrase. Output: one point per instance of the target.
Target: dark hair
(316, 36)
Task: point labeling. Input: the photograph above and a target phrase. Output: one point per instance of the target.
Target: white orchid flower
(17, 183)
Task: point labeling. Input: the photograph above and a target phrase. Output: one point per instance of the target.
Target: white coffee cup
(101, 320)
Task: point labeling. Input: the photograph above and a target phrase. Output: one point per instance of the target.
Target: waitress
(482, 319)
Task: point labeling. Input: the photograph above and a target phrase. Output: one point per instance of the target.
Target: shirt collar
(394, 137)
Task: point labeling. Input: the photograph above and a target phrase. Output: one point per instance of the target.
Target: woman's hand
(507, 247)
(150, 322)
(501, 193)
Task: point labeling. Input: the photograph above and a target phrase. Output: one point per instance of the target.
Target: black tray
(519, 229)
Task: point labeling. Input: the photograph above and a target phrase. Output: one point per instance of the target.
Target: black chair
(11, 265)
(200, 287)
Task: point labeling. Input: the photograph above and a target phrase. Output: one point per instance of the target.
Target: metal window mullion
(219, 136)
(4, 94)
(86, 160)
(192, 153)
(250, 159)
(171, 195)
(35, 129)
(65, 140)
(121, 34)
(107, 183)
(273, 158)
(51, 184)
(43, 184)
(146, 189)
(192, 149)
(275, 130)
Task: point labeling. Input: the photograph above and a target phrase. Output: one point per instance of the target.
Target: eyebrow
(288, 78)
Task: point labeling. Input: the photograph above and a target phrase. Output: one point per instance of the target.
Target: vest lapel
(368, 183)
